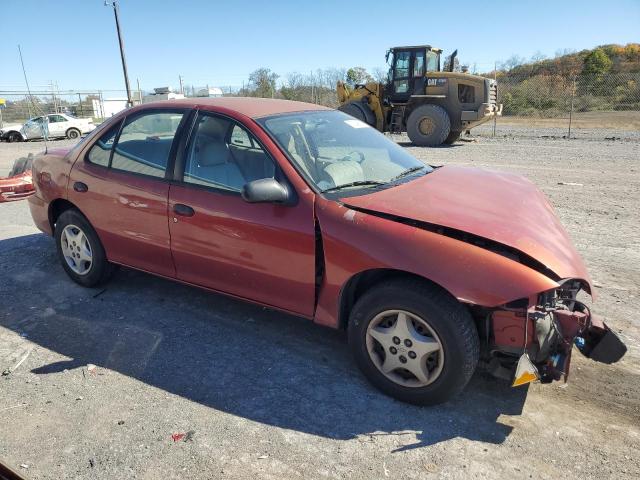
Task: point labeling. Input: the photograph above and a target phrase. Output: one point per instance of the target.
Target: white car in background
(58, 124)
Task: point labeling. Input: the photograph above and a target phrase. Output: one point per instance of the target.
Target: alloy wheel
(405, 348)
(76, 249)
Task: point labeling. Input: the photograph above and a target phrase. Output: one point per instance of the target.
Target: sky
(218, 43)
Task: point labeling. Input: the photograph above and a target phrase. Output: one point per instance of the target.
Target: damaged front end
(532, 339)
(19, 183)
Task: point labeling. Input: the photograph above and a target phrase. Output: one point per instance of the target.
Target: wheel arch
(66, 132)
(359, 283)
(57, 207)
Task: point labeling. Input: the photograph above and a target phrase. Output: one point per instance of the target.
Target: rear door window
(144, 144)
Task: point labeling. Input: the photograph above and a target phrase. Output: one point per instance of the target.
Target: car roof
(249, 106)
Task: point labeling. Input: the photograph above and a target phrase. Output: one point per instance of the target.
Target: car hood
(498, 206)
(11, 126)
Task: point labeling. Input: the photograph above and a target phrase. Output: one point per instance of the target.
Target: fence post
(495, 79)
(573, 93)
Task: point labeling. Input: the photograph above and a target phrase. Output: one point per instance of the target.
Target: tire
(73, 133)
(449, 324)
(428, 125)
(359, 110)
(453, 137)
(100, 269)
(14, 137)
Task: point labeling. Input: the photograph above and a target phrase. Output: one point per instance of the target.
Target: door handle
(80, 187)
(183, 210)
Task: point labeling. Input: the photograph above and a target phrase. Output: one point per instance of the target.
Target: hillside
(604, 78)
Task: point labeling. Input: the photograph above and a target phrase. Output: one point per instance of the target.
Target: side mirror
(265, 190)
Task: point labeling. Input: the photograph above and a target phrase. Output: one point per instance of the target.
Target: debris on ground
(262, 457)
(185, 437)
(431, 467)
(24, 465)
(571, 184)
(120, 422)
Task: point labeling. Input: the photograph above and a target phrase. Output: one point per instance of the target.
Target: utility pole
(116, 9)
(181, 89)
(139, 92)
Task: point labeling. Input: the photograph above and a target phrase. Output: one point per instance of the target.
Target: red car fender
(354, 242)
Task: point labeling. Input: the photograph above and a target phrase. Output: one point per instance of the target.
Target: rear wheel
(428, 125)
(80, 250)
(414, 341)
(453, 137)
(73, 133)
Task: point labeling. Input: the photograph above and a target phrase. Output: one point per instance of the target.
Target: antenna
(45, 134)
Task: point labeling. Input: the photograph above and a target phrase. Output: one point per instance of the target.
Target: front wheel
(14, 137)
(414, 341)
(80, 250)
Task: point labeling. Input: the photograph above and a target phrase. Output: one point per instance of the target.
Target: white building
(108, 107)
(209, 92)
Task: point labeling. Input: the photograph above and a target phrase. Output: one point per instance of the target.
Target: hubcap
(76, 249)
(426, 126)
(405, 348)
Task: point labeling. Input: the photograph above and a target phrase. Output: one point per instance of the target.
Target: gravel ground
(260, 394)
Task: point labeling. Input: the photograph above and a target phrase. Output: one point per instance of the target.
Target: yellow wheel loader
(433, 106)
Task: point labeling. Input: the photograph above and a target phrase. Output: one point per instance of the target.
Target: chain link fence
(599, 106)
(570, 106)
(20, 106)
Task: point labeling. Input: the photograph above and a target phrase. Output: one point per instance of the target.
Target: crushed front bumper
(537, 343)
(16, 187)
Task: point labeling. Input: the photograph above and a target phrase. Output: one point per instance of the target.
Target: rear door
(121, 188)
(262, 252)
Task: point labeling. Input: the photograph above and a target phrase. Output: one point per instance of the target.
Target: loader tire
(359, 110)
(453, 137)
(428, 125)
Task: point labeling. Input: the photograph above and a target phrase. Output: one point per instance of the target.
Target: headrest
(213, 127)
(211, 152)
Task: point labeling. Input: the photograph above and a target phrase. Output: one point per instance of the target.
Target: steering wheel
(359, 154)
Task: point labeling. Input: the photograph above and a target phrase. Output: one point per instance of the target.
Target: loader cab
(407, 69)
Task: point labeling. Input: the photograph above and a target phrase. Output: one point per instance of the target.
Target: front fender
(354, 242)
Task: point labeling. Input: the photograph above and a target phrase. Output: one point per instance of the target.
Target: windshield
(334, 151)
(433, 61)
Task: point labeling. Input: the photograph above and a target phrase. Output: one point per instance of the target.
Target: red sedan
(305, 209)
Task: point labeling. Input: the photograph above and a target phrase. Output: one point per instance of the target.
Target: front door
(121, 186)
(261, 252)
(401, 86)
(57, 126)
